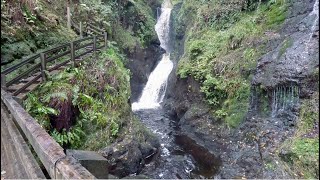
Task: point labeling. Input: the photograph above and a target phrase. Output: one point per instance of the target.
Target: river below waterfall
(180, 156)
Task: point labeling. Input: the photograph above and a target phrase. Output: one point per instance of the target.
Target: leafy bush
(99, 89)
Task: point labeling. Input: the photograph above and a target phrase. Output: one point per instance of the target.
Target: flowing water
(154, 91)
(180, 156)
(284, 98)
(314, 12)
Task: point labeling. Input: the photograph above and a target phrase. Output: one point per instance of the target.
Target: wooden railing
(51, 154)
(89, 28)
(46, 61)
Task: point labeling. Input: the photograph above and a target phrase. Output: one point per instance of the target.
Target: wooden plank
(80, 29)
(22, 75)
(94, 43)
(26, 85)
(84, 45)
(72, 50)
(95, 31)
(58, 56)
(105, 39)
(95, 28)
(56, 48)
(3, 81)
(83, 39)
(82, 54)
(58, 66)
(75, 26)
(68, 18)
(23, 62)
(31, 167)
(43, 66)
(100, 47)
(7, 151)
(50, 153)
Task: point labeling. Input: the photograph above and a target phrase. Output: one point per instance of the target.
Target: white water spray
(154, 91)
(314, 12)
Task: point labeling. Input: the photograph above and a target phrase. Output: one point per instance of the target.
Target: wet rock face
(129, 156)
(141, 63)
(296, 58)
(291, 62)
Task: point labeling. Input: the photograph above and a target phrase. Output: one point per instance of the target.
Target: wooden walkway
(17, 161)
(18, 128)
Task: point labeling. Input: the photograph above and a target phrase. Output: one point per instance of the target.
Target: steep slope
(89, 107)
(242, 70)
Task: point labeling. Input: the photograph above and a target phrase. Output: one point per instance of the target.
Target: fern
(114, 128)
(73, 136)
(61, 95)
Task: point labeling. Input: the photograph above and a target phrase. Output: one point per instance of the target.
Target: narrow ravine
(180, 156)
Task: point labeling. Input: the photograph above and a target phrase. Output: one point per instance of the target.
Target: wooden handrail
(51, 154)
(74, 46)
(93, 30)
(22, 75)
(83, 39)
(84, 45)
(58, 56)
(59, 47)
(94, 27)
(23, 62)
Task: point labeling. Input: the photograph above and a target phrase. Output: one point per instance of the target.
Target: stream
(180, 157)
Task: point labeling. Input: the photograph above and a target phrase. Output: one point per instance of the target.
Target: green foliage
(73, 136)
(276, 13)
(99, 88)
(214, 89)
(39, 111)
(30, 26)
(28, 15)
(303, 152)
(128, 22)
(125, 38)
(221, 49)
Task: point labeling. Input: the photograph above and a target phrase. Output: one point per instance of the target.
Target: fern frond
(61, 95)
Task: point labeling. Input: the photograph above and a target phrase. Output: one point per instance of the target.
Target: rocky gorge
(187, 89)
(291, 61)
(285, 75)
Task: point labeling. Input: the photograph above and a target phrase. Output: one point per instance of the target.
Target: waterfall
(154, 91)
(284, 98)
(315, 11)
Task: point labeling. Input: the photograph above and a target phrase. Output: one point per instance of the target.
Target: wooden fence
(51, 154)
(48, 150)
(40, 61)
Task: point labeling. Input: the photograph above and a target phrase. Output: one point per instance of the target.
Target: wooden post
(94, 43)
(72, 54)
(3, 81)
(80, 28)
(95, 46)
(43, 66)
(68, 18)
(105, 39)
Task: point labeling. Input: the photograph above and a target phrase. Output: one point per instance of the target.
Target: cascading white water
(314, 12)
(154, 91)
